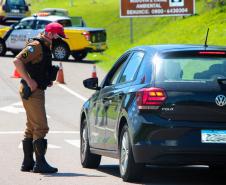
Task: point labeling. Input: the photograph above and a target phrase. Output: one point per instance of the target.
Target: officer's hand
(32, 84)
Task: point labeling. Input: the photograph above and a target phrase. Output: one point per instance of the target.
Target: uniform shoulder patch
(31, 49)
(25, 54)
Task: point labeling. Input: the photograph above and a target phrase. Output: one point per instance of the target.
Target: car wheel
(2, 48)
(88, 160)
(15, 53)
(61, 51)
(78, 56)
(129, 170)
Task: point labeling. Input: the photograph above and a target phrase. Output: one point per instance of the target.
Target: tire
(15, 52)
(79, 55)
(129, 170)
(2, 48)
(61, 51)
(88, 160)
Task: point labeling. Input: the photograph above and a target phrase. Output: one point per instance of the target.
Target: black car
(13, 10)
(160, 105)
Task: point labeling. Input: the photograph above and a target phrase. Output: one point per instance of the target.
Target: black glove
(26, 91)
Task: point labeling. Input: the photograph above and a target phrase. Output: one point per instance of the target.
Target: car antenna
(206, 38)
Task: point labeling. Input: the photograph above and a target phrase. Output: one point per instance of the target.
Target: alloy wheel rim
(60, 52)
(84, 143)
(124, 153)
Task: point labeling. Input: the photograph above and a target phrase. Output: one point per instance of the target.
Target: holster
(26, 90)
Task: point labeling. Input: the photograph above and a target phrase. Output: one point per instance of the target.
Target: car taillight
(212, 53)
(150, 98)
(87, 35)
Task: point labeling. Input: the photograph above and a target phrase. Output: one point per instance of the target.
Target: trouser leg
(36, 115)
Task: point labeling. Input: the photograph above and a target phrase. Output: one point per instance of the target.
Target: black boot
(41, 166)
(28, 162)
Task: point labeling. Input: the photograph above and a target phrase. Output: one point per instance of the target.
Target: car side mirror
(91, 83)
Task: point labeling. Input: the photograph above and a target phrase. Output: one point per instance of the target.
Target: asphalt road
(63, 105)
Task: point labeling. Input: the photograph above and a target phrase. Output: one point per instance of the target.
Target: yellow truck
(80, 42)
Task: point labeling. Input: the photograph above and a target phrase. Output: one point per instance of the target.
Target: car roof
(177, 47)
(47, 18)
(54, 9)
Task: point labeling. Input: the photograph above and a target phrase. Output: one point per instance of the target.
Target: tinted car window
(190, 69)
(15, 2)
(78, 21)
(41, 24)
(114, 74)
(27, 24)
(65, 23)
(115, 77)
(132, 67)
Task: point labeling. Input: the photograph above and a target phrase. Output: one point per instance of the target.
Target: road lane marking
(72, 92)
(16, 108)
(74, 142)
(50, 132)
(49, 146)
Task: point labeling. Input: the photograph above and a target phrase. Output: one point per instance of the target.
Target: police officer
(34, 63)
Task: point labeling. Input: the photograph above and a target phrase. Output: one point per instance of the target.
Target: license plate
(15, 14)
(213, 136)
(15, 11)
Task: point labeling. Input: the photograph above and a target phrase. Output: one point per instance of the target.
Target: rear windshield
(190, 69)
(15, 2)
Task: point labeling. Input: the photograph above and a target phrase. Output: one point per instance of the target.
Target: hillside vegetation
(147, 31)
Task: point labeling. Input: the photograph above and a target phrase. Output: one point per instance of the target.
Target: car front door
(19, 36)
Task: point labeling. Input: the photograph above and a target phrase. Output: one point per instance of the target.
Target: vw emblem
(220, 100)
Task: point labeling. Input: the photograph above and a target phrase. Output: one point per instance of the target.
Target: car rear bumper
(97, 47)
(175, 145)
(178, 156)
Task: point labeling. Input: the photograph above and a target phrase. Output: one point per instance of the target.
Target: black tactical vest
(40, 71)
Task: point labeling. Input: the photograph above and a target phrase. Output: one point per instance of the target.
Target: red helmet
(55, 27)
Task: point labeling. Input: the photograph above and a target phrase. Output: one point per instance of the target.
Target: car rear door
(195, 89)
(114, 99)
(104, 100)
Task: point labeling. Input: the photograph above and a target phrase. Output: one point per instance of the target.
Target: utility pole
(71, 3)
(131, 30)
